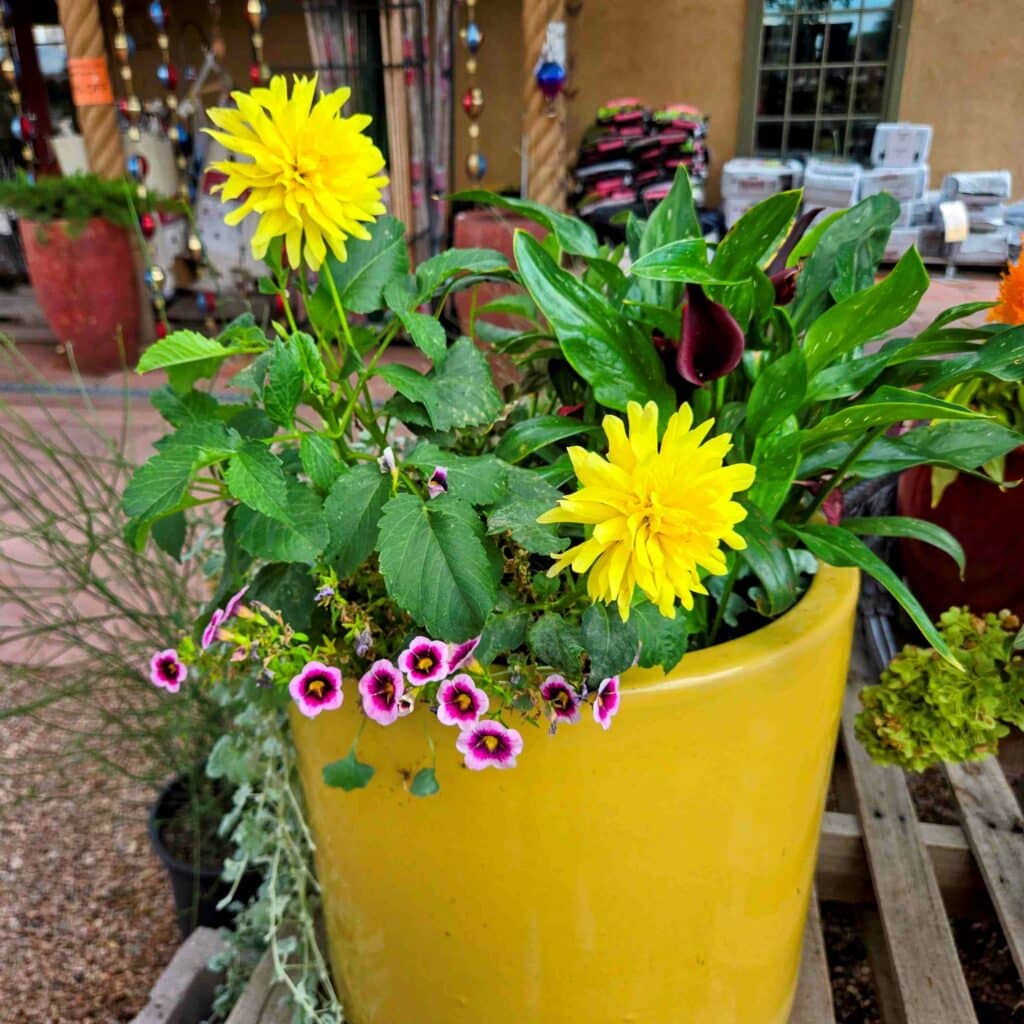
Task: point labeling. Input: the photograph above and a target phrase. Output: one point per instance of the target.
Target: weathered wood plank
(813, 1003)
(263, 1001)
(917, 931)
(183, 994)
(995, 830)
(890, 1005)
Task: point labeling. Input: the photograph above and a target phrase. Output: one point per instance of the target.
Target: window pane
(810, 39)
(874, 37)
(813, 5)
(773, 93)
(836, 97)
(831, 138)
(861, 134)
(880, 4)
(801, 137)
(775, 46)
(870, 91)
(804, 98)
(769, 137)
(842, 38)
(775, 6)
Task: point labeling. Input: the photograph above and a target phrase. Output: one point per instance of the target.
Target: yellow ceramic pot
(657, 873)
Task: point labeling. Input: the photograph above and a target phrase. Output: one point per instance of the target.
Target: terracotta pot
(86, 285)
(986, 521)
(490, 229)
(658, 872)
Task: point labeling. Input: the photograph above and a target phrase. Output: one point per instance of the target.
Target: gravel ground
(86, 921)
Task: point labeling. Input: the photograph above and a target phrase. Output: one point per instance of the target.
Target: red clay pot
(490, 229)
(987, 522)
(85, 283)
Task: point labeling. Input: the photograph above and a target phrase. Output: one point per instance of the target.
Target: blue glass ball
(157, 14)
(550, 78)
(16, 129)
(136, 167)
(163, 73)
(476, 166)
(184, 140)
(474, 37)
(204, 302)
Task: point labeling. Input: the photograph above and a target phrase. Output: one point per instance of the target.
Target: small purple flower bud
(323, 595)
(364, 643)
(438, 482)
(387, 462)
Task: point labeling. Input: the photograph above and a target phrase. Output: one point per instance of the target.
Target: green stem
(364, 376)
(723, 601)
(325, 346)
(844, 467)
(339, 309)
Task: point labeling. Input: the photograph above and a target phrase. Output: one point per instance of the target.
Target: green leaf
(301, 539)
(555, 642)
(529, 436)
(437, 565)
(464, 392)
(349, 773)
(908, 526)
(672, 220)
(426, 334)
(755, 236)
(424, 783)
(778, 393)
(806, 245)
(478, 479)
(528, 496)
(431, 273)
(253, 376)
(182, 409)
(768, 559)
(352, 511)
(181, 347)
(611, 643)
(169, 534)
(361, 279)
(409, 383)
(837, 546)
(320, 461)
(886, 406)
(288, 589)
(572, 234)
(848, 377)
(502, 632)
(256, 478)
(951, 315)
(159, 485)
(867, 314)
(663, 641)
(683, 260)
(776, 457)
(519, 304)
(606, 350)
(284, 384)
(312, 362)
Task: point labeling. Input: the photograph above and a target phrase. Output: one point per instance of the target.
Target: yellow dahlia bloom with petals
(311, 175)
(659, 513)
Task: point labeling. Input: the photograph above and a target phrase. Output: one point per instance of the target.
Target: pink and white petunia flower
(438, 482)
(212, 628)
(606, 702)
(489, 744)
(424, 661)
(233, 603)
(317, 688)
(562, 698)
(461, 702)
(167, 671)
(382, 687)
(460, 655)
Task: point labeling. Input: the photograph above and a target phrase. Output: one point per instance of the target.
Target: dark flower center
(385, 688)
(464, 701)
(318, 686)
(560, 701)
(169, 669)
(425, 662)
(491, 743)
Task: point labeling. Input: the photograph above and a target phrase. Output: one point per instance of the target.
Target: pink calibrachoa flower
(438, 482)
(424, 661)
(382, 688)
(489, 744)
(233, 603)
(317, 688)
(212, 628)
(406, 704)
(606, 702)
(167, 671)
(460, 655)
(564, 701)
(461, 702)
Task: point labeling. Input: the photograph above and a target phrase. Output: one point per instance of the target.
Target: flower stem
(340, 310)
(844, 467)
(723, 601)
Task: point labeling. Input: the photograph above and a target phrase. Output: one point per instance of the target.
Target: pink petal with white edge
(317, 688)
(460, 655)
(233, 602)
(167, 671)
(210, 633)
(489, 745)
(424, 661)
(382, 687)
(461, 702)
(606, 702)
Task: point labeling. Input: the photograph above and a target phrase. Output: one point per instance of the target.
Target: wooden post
(90, 86)
(544, 155)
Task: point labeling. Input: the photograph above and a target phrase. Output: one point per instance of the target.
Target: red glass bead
(255, 74)
(278, 304)
(147, 225)
(161, 329)
(28, 129)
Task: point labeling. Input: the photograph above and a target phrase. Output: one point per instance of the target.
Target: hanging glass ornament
(206, 302)
(137, 166)
(473, 36)
(155, 277)
(195, 246)
(157, 14)
(147, 225)
(473, 101)
(550, 78)
(160, 329)
(168, 76)
(256, 12)
(476, 166)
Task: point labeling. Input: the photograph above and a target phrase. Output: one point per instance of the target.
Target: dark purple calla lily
(784, 283)
(783, 278)
(712, 340)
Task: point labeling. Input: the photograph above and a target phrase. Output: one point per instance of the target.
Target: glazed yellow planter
(657, 873)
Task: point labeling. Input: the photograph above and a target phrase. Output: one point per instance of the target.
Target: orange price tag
(90, 82)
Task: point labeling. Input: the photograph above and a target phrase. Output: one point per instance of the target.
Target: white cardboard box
(978, 188)
(899, 242)
(914, 213)
(828, 183)
(902, 183)
(734, 208)
(990, 248)
(901, 144)
(745, 177)
(987, 218)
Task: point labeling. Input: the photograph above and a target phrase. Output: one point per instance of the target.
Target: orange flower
(1010, 307)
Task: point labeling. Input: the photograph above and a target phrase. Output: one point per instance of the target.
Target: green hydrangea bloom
(924, 710)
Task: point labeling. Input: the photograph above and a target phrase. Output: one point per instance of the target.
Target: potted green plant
(76, 233)
(619, 580)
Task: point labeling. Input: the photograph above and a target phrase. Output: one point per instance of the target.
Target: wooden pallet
(910, 878)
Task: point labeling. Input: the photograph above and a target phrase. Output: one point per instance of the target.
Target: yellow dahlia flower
(312, 175)
(658, 514)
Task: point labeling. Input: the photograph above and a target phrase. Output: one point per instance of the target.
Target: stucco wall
(963, 75)
(660, 51)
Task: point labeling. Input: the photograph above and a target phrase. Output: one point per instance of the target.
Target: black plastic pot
(197, 890)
